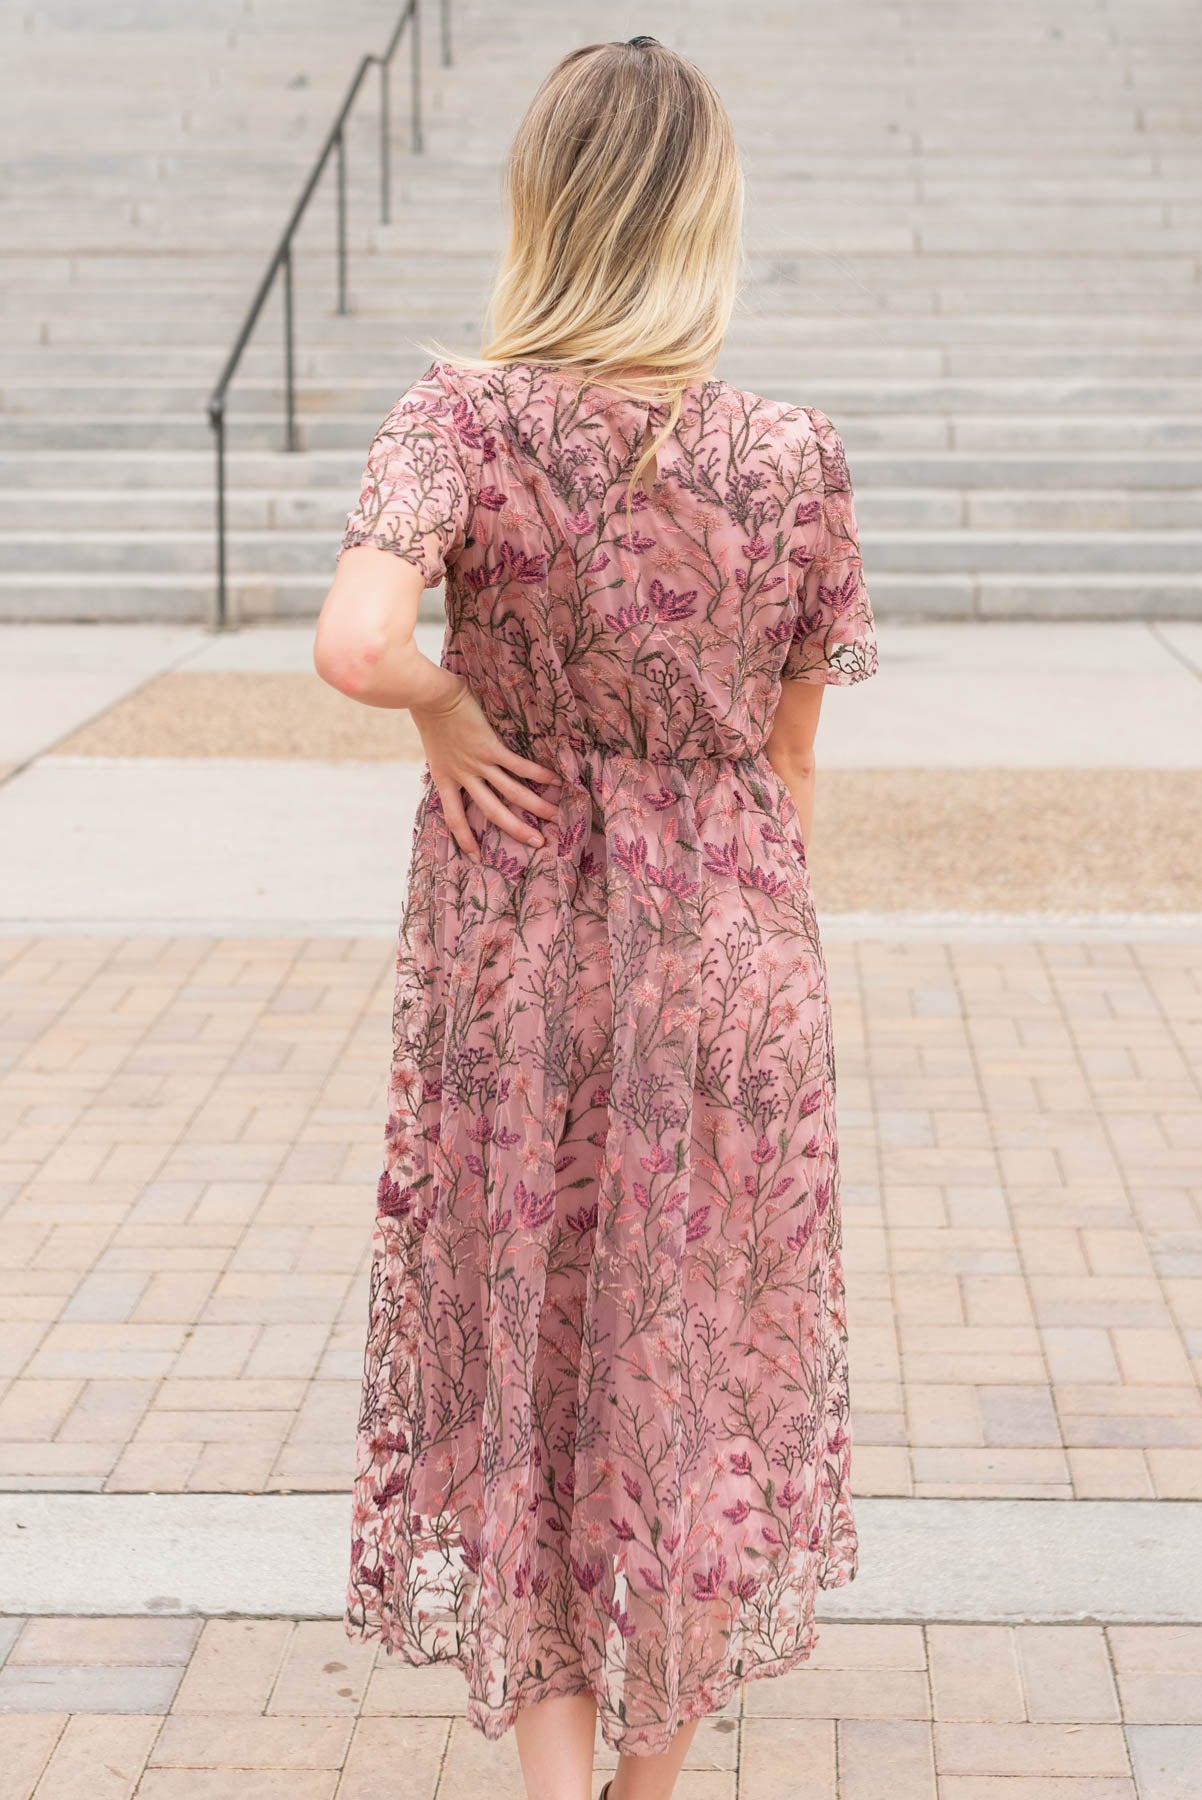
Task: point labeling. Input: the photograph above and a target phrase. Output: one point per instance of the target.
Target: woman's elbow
(346, 653)
(796, 761)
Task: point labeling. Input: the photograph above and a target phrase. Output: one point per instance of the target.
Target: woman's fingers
(522, 765)
(509, 763)
(513, 789)
(487, 782)
(456, 817)
(495, 809)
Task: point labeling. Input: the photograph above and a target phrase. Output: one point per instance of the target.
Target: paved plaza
(233, 1708)
(192, 1133)
(195, 1040)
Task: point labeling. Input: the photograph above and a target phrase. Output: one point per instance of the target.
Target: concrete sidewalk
(215, 784)
(957, 695)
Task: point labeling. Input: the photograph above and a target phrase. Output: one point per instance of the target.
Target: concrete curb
(1185, 928)
(273, 1555)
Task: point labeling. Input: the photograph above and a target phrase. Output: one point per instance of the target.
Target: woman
(603, 1451)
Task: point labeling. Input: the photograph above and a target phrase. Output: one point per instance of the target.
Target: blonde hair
(625, 194)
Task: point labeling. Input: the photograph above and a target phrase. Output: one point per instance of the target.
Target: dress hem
(494, 1721)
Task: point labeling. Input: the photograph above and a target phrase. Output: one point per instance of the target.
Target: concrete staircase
(974, 239)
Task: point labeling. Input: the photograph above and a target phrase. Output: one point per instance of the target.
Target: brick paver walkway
(228, 1708)
(191, 1131)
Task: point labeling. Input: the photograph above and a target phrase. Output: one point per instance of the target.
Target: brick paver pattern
(191, 1131)
(169, 1707)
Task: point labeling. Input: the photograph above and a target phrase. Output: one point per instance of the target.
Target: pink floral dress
(604, 1435)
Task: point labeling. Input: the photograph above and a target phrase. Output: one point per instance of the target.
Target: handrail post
(445, 11)
(415, 71)
(341, 176)
(290, 442)
(385, 145)
(217, 421)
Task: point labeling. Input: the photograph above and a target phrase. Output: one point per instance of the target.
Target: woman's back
(663, 633)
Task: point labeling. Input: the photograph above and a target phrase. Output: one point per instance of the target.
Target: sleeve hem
(827, 676)
(377, 540)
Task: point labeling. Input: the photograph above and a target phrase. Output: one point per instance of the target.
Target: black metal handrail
(334, 146)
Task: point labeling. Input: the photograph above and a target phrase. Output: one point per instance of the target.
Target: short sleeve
(415, 496)
(834, 634)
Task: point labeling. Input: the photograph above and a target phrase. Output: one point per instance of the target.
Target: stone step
(170, 549)
(1157, 225)
(905, 431)
(762, 317)
(366, 395)
(880, 509)
(191, 509)
(465, 244)
(25, 597)
(468, 229)
(748, 364)
(860, 191)
(380, 335)
(958, 471)
(869, 279)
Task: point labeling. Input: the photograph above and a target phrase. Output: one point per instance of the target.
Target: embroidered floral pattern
(604, 1435)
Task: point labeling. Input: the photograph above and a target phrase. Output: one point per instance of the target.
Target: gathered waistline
(541, 746)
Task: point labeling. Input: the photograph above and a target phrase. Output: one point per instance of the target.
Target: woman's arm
(364, 643)
(364, 647)
(790, 745)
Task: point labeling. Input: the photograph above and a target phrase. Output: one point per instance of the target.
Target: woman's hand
(464, 751)
(364, 647)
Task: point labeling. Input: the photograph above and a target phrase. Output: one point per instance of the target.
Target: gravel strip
(1008, 840)
(231, 714)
